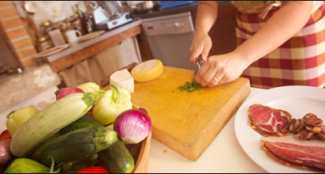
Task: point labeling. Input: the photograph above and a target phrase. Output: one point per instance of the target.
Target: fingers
(215, 81)
(206, 74)
(201, 48)
(195, 53)
(211, 75)
(205, 51)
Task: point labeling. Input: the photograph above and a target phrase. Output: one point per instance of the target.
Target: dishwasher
(170, 38)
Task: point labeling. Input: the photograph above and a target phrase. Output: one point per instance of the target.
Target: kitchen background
(30, 28)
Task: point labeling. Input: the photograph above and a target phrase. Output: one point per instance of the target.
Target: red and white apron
(299, 61)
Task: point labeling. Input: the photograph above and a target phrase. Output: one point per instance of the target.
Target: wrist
(245, 58)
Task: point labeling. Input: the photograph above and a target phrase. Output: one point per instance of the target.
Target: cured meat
(322, 133)
(269, 121)
(308, 128)
(307, 155)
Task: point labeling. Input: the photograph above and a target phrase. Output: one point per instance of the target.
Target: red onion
(66, 91)
(133, 126)
(5, 154)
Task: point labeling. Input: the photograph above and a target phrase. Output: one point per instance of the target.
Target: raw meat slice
(303, 154)
(269, 121)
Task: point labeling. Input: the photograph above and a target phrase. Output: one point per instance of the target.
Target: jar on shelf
(45, 28)
(44, 43)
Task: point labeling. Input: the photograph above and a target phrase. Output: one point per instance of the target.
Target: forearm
(284, 24)
(206, 15)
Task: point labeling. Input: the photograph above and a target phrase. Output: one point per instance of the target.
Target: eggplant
(5, 154)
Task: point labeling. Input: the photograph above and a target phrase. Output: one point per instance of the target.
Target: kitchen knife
(199, 64)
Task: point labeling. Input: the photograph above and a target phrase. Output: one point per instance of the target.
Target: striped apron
(298, 61)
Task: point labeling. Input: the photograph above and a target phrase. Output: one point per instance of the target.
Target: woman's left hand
(220, 69)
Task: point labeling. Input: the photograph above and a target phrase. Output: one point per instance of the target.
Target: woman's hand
(206, 16)
(201, 45)
(220, 69)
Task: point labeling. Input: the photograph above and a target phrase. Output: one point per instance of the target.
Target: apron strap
(268, 8)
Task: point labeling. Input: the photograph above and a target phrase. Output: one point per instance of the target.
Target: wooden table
(79, 51)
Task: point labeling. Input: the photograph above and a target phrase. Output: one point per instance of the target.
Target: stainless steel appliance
(107, 15)
(170, 38)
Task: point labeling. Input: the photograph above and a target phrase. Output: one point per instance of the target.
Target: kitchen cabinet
(223, 31)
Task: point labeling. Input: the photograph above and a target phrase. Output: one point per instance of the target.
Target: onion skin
(133, 125)
(5, 154)
(66, 91)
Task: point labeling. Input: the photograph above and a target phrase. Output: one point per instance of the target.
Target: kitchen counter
(224, 155)
(175, 10)
(79, 51)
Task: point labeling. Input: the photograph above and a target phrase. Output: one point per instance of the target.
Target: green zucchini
(117, 158)
(49, 121)
(76, 146)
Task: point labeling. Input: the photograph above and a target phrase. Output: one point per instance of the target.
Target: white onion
(133, 126)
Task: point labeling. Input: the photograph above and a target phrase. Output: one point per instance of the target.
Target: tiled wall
(16, 34)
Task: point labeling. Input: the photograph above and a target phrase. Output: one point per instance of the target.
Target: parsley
(187, 87)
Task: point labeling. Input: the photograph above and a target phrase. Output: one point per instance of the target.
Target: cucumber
(75, 146)
(49, 121)
(117, 158)
(25, 165)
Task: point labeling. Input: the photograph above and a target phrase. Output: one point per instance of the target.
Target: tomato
(5, 135)
(94, 169)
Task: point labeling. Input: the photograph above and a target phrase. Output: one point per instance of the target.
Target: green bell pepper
(113, 102)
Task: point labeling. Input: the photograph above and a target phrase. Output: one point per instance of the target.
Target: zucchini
(117, 158)
(49, 121)
(76, 146)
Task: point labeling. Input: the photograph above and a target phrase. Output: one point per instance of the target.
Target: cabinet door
(223, 31)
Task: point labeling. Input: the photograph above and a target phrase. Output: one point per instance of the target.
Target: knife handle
(199, 61)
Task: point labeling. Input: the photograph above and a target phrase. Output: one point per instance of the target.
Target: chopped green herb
(187, 87)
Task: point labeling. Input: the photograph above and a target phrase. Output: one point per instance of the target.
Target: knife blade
(199, 64)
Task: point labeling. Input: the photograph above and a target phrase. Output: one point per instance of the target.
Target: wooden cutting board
(188, 122)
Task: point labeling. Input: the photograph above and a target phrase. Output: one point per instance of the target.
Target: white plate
(91, 35)
(297, 100)
(52, 51)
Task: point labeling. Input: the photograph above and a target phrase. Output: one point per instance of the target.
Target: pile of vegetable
(86, 130)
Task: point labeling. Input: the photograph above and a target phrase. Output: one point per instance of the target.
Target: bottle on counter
(89, 23)
(82, 18)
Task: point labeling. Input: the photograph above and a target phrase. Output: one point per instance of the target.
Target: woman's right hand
(201, 45)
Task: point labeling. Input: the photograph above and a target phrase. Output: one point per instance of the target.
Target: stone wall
(12, 27)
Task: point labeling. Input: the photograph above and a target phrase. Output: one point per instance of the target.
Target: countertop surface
(174, 10)
(76, 46)
(224, 155)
